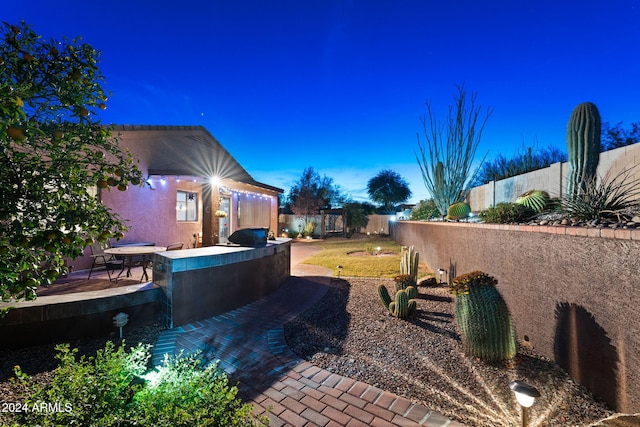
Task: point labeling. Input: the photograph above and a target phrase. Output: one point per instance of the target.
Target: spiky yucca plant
(609, 197)
(483, 318)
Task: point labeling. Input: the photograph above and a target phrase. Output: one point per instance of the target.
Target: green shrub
(506, 213)
(111, 389)
(182, 392)
(425, 210)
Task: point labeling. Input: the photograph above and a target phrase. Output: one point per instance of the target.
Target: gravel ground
(349, 333)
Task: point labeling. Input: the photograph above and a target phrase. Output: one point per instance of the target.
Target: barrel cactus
(457, 211)
(535, 200)
(583, 147)
(483, 318)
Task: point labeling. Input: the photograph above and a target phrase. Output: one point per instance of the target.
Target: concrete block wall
(573, 292)
(551, 179)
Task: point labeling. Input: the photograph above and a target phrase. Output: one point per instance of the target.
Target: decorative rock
(565, 222)
(544, 222)
(636, 219)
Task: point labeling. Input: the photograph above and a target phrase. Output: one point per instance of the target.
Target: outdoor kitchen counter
(204, 282)
(193, 259)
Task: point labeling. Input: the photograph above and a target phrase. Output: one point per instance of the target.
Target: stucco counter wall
(573, 292)
(204, 282)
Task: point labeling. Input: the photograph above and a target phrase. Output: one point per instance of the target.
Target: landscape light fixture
(120, 320)
(339, 270)
(378, 249)
(440, 273)
(525, 395)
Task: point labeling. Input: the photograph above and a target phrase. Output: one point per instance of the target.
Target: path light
(378, 248)
(339, 270)
(440, 273)
(525, 395)
(120, 320)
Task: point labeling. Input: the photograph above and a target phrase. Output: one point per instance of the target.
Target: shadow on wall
(583, 349)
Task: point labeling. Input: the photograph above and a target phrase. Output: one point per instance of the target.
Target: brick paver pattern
(250, 346)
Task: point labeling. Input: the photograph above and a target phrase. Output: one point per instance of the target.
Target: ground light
(525, 395)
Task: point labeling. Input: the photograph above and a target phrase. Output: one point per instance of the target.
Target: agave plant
(609, 197)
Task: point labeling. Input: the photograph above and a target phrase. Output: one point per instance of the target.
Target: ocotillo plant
(483, 318)
(583, 147)
(409, 263)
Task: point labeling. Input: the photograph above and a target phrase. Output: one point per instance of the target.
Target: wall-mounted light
(525, 395)
(215, 180)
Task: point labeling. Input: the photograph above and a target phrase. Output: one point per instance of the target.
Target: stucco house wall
(185, 158)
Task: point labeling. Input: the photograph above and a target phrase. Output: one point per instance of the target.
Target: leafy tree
(357, 215)
(449, 150)
(522, 162)
(388, 188)
(312, 193)
(425, 210)
(54, 153)
(617, 136)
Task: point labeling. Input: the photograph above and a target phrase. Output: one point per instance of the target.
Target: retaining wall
(67, 317)
(573, 292)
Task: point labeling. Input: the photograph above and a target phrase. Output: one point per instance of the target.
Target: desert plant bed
(349, 333)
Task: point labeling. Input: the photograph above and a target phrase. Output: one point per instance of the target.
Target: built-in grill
(250, 237)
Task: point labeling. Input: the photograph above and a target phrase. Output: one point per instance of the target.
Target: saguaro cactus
(583, 147)
(483, 318)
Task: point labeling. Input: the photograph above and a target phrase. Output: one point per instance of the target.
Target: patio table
(129, 252)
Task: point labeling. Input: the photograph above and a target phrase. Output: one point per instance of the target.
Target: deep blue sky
(341, 85)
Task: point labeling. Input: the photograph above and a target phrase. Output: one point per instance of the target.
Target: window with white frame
(186, 206)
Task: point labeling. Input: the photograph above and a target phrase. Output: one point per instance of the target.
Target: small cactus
(385, 298)
(409, 263)
(403, 281)
(404, 305)
(458, 211)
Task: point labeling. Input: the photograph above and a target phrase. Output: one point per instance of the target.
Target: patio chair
(102, 259)
(175, 246)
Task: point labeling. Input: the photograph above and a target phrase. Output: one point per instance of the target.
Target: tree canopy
(312, 193)
(388, 188)
(55, 158)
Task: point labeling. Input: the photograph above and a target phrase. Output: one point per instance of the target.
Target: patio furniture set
(125, 256)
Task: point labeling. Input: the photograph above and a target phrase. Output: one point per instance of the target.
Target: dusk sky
(341, 85)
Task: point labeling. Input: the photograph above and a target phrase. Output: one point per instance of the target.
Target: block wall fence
(552, 179)
(574, 293)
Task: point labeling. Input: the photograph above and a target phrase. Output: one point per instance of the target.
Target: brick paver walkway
(249, 343)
